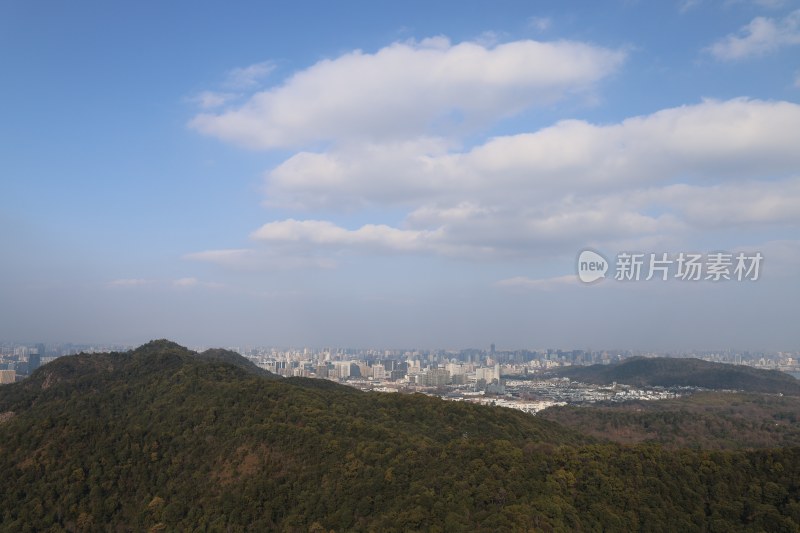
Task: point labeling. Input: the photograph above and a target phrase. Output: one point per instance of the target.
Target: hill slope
(670, 372)
(227, 356)
(159, 438)
(709, 420)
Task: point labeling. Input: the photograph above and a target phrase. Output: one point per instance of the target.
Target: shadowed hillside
(672, 372)
(709, 420)
(235, 359)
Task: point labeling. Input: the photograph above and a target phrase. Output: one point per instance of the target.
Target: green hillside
(670, 372)
(708, 420)
(216, 354)
(161, 439)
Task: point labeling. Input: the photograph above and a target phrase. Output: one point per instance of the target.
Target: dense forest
(708, 420)
(161, 438)
(684, 372)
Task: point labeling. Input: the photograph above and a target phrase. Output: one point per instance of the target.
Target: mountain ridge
(684, 372)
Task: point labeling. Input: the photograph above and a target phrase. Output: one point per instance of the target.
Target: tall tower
(35, 358)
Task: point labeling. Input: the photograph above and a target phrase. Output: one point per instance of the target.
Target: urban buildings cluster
(456, 367)
(18, 360)
(517, 379)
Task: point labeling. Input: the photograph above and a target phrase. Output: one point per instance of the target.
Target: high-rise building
(35, 357)
(439, 377)
(343, 369)
(8, 376)
(434, 377)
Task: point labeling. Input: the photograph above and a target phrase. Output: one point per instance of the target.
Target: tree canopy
(159, 438)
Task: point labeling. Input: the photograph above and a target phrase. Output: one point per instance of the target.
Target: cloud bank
(410, 87)
(392, 126)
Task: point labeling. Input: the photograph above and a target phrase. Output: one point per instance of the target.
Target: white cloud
(359, 174)
(646, 181)
(729, 205)
(707, 142)
(395, 118)
(375, 237)
(211, 99)
(407, 89)
(472, 233)
(243, 78)
(761, 36)
(488, 39)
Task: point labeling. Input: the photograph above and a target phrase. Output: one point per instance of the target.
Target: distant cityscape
(519, 379)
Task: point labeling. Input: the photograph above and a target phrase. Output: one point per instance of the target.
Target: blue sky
(396, 174)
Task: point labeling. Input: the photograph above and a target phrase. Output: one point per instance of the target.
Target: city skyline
(405, 175)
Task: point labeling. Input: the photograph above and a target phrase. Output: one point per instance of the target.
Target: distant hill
(161, 438)
(672, 372)
(156, 355)
(708, 420)
(227, 356)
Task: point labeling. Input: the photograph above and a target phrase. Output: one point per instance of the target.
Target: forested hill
(235, 359)
(153, 358)
(707, 420)
(161, 439)
(670, 372)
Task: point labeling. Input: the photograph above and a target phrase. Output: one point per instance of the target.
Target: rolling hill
(707, 420)
(161, 439)
(684, 372)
